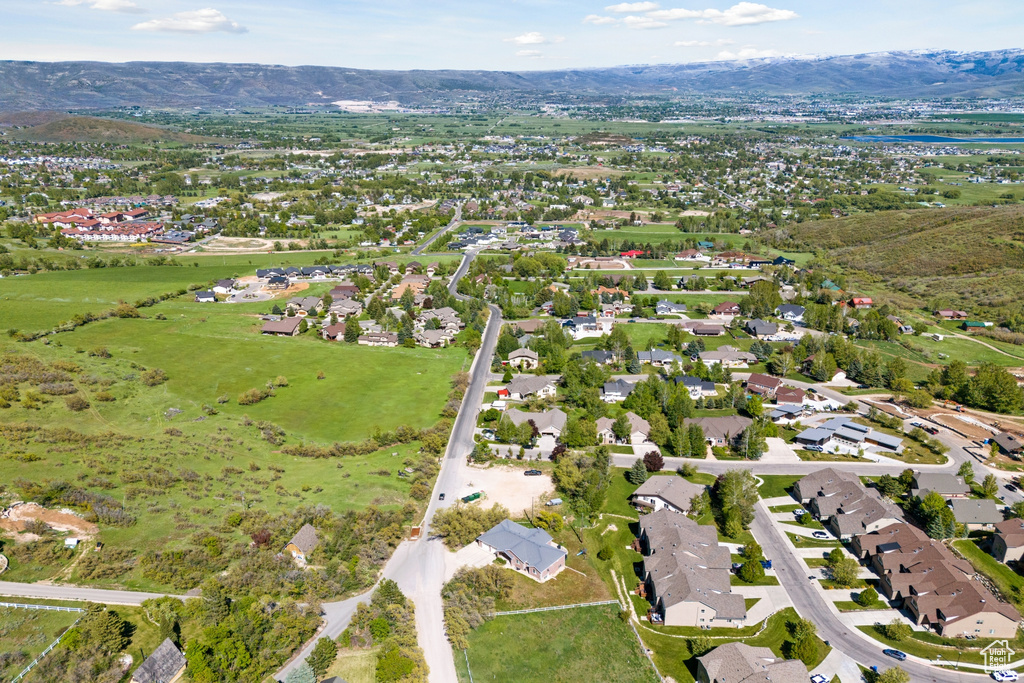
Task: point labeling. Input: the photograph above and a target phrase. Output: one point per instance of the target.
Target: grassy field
(356, 666)
(24, 633)
(583, 644)
(930, 645)
(182, 472)
(1006, 580)
(776, 485)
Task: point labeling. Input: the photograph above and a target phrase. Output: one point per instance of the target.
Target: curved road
(456, 220)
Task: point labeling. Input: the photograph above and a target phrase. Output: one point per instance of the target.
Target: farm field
(584, 644)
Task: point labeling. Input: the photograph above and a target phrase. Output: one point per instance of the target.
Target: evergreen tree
(324, 653)
(352, 330)
(303, 673)
(637, 474)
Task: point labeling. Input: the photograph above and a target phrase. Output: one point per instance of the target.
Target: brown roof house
(303, 543)
(165, 665)
(763, 385)
(720, 431)
(285, 327)
(937, 588)
(1008, 541)
(671, 492)
(740, 663)
(639, 429)
(1010, 444)
(810, 486)
(686, 572)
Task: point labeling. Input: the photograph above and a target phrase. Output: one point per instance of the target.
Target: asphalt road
(418, 566)
(60, 592)
(793, 573)
(456, 219)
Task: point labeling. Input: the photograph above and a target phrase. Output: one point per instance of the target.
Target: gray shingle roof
(162, 665)
(529, 545)
(305, 539)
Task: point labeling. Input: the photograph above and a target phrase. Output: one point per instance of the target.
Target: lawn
(674, 659)
(582, 644)
(776, 485)
(806, 542)
(930, 645)
(815, 456)
(1006, 580)
(810, 524)
(24, 633)
(358, 666)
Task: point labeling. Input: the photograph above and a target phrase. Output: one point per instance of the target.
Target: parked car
(533, 473)
(816, 449)
(931, 430)
(798, 512)
(895, 654)
(818, 678)
(1011, 487)
(441, 497)
(819, 534)
(1004, 675)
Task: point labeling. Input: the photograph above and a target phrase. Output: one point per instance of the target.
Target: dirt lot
(508, 486)
(15, 517)
(244, 244)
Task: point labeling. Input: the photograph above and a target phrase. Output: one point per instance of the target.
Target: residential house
(728, 356)
(658, 358)
(665, 307)
(531, 552)
(378, 339)
(976, 513)
(686, 572)
(847, 508)
(345, 307)
(165, 664)
(639, 430)
(701, 328)
(670, 492)
(528, 326)
(524, 359)
(790, 396)
(599, 356)
(344, 290)
(763, 385)
(1009, 444)
(1008, 540)
(861, 302)
(433, 339)
(691, 255)
(761, 328)
(843, 435)
(334, 332)
(206, 297)
(549, 423)
(790, 312)
(937, 588)
(949, 314)
(720, 431)
(306, 305)
(616, 390)
(696, 386)
(583, 326)
(285, 327)
(726, 308)
(224, 286)
(277, 282)
(946, 485)
(524, 386)
(303, 543)
(740, 663)
(789, 413)
(810, 486)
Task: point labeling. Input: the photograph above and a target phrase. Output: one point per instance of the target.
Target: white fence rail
(52, 608)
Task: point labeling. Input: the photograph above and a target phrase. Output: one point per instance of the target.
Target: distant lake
(927, 138)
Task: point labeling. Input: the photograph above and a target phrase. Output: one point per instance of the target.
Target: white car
(818, 678)
(819, 534)
(1004, 675)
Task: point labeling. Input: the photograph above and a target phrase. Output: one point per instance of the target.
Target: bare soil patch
(509, 487)
(18, 515)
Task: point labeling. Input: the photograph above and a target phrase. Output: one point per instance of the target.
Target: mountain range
(35, 86)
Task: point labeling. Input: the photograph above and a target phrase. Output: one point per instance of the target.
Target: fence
(556, 607)
(52, 608)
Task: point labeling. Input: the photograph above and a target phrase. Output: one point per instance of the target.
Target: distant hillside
(971, 256)
(30, 118)
(75, 85)
(91, 129)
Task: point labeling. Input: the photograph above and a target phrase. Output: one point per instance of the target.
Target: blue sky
(494, 34)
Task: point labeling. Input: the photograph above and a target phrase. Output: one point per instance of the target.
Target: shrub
(605, 553)
(100, 352)
(153, 377)
(281, 381)
(896, 630)
(76, 403)
(653, 461)
(867, 597)
(104, 396)
(248, 398)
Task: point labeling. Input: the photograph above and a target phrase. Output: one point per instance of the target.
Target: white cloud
(704, 43)
(197, 21)
(643, 22)
(627, 7)
(740, 14)
(598, 20)
(533, 54)
(126, 6)
(747, 53)
(531, 38)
